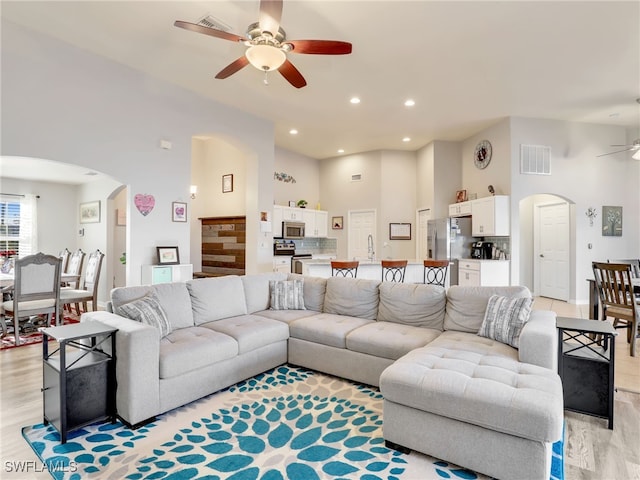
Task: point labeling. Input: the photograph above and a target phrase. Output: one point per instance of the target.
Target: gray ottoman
(486, 412)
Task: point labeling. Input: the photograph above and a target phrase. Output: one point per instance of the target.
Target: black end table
(79, 382)
(586, 362)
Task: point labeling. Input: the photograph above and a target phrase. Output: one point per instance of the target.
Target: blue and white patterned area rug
(288, 423)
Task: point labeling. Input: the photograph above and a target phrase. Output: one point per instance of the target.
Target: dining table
(594, 298)
(7, 279)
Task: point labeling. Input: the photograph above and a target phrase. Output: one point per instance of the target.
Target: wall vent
(356, 177)
(213, 22)
(535, 160)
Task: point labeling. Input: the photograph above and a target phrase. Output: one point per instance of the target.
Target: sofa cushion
(173, 297)
(326, 328)
(147, 310)
(286, 316)
(493, 392)
(251, 331)
(188, 349)
(216, 298)
(314, 291)
(412, 304)
(256, 289)
(466, 305)
(389, 340)
(352, 296)
(504, 319)
(286, 294)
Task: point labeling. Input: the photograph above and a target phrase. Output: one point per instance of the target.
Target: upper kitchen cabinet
(490, 216)
(316, 223)
(462, 209)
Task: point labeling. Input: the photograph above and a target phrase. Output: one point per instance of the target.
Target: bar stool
(344, 269)
(435, 272)
(393, 270)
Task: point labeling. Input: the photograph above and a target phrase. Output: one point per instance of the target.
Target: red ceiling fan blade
(270, 15)
(233, 67)
(320, 47)
(291, 73)
(194, 27)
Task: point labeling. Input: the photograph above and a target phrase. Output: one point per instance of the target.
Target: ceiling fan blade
(320, 47)
(618, 151)
(212, 32)
(270, 15)
(291, 73)
(233, 67)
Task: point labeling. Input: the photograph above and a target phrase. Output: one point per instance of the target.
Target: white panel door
(421, 244)
(553, 250)
(362, 223)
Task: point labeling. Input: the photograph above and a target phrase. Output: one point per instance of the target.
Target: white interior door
(552, 255)
(361, 224)
(424, 216)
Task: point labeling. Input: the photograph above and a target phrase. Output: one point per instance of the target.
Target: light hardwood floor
(592, 452)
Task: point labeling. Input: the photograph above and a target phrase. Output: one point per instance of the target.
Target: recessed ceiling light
(293, 131)
(355, 100)
(406, 139)
(409, 102)
(341, 150)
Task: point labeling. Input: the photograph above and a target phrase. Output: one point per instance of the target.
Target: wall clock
(482, 155)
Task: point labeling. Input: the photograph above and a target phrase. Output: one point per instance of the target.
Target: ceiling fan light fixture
(636, 156)
(265, 57)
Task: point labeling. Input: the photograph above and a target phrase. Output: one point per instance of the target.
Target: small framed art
(179, 212)
(337, 223)
(168, 255)
(461, 196)
(227, 183)
(399, 231)
(90, 212)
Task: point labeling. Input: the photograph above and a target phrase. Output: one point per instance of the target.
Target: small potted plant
(302, 203)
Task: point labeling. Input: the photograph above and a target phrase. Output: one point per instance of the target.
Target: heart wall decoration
(144, 203)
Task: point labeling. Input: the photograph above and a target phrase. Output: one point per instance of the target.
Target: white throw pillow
(504, 319)
(287, 294)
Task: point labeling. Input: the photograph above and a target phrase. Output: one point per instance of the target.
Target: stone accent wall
(223, 246)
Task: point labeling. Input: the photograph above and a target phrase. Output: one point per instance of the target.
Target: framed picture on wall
(168, 255)
(399, 231)
(179, 212)
(90, 212)
(337, 223)
(227, 183)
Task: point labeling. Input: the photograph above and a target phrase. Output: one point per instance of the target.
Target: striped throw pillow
(504, 319)
(147, 310)
(287, 294)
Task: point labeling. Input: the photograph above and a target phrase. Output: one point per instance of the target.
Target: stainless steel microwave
(292, 229)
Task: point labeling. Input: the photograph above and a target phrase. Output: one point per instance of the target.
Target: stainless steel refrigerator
(450, 239)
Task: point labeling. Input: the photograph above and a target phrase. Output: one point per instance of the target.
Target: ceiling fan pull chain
(266, 79)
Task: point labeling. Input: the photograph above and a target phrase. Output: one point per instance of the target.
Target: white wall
(62, 103)
(305, 171)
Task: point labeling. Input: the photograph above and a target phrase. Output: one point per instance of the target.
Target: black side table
(586, 362)
(79, 381)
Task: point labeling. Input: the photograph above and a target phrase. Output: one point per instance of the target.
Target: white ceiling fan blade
(618, 151)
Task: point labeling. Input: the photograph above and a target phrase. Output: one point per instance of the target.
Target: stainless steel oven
(296, 262)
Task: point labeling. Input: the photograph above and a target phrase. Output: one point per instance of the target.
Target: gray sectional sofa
(448, 392)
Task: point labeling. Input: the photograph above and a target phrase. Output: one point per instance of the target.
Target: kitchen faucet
(371, 255)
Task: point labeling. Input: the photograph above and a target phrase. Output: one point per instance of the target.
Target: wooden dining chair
(435, 272)
(36, 291)
(393, 270)
(64, 258)
(89, 289)
(613, 282)
(344, 268)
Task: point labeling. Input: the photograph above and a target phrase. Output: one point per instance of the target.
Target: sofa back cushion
(412, 304)
(352, 296)
(173, 298)
(256, 289)
(466, 306)
(314, 291)
(216, 298)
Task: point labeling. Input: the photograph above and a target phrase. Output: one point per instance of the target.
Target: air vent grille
(535, 160)
(213, 22)
(356, 177)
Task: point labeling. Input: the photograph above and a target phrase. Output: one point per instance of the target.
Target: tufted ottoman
(472, 403)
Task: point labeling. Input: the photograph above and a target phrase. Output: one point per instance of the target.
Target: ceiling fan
(634, 146)
(268, 45)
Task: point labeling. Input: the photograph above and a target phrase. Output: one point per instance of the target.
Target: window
(17, 225)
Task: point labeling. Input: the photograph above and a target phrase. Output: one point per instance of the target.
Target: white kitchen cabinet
(316, 223)
(490, 216)
(462, 209)
(154, 274)
(282, 264)
(293, 214)
(483, 273)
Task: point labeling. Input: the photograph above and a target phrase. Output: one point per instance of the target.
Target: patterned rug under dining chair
(30, 333)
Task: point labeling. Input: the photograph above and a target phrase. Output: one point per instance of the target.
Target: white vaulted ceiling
(466, 64)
